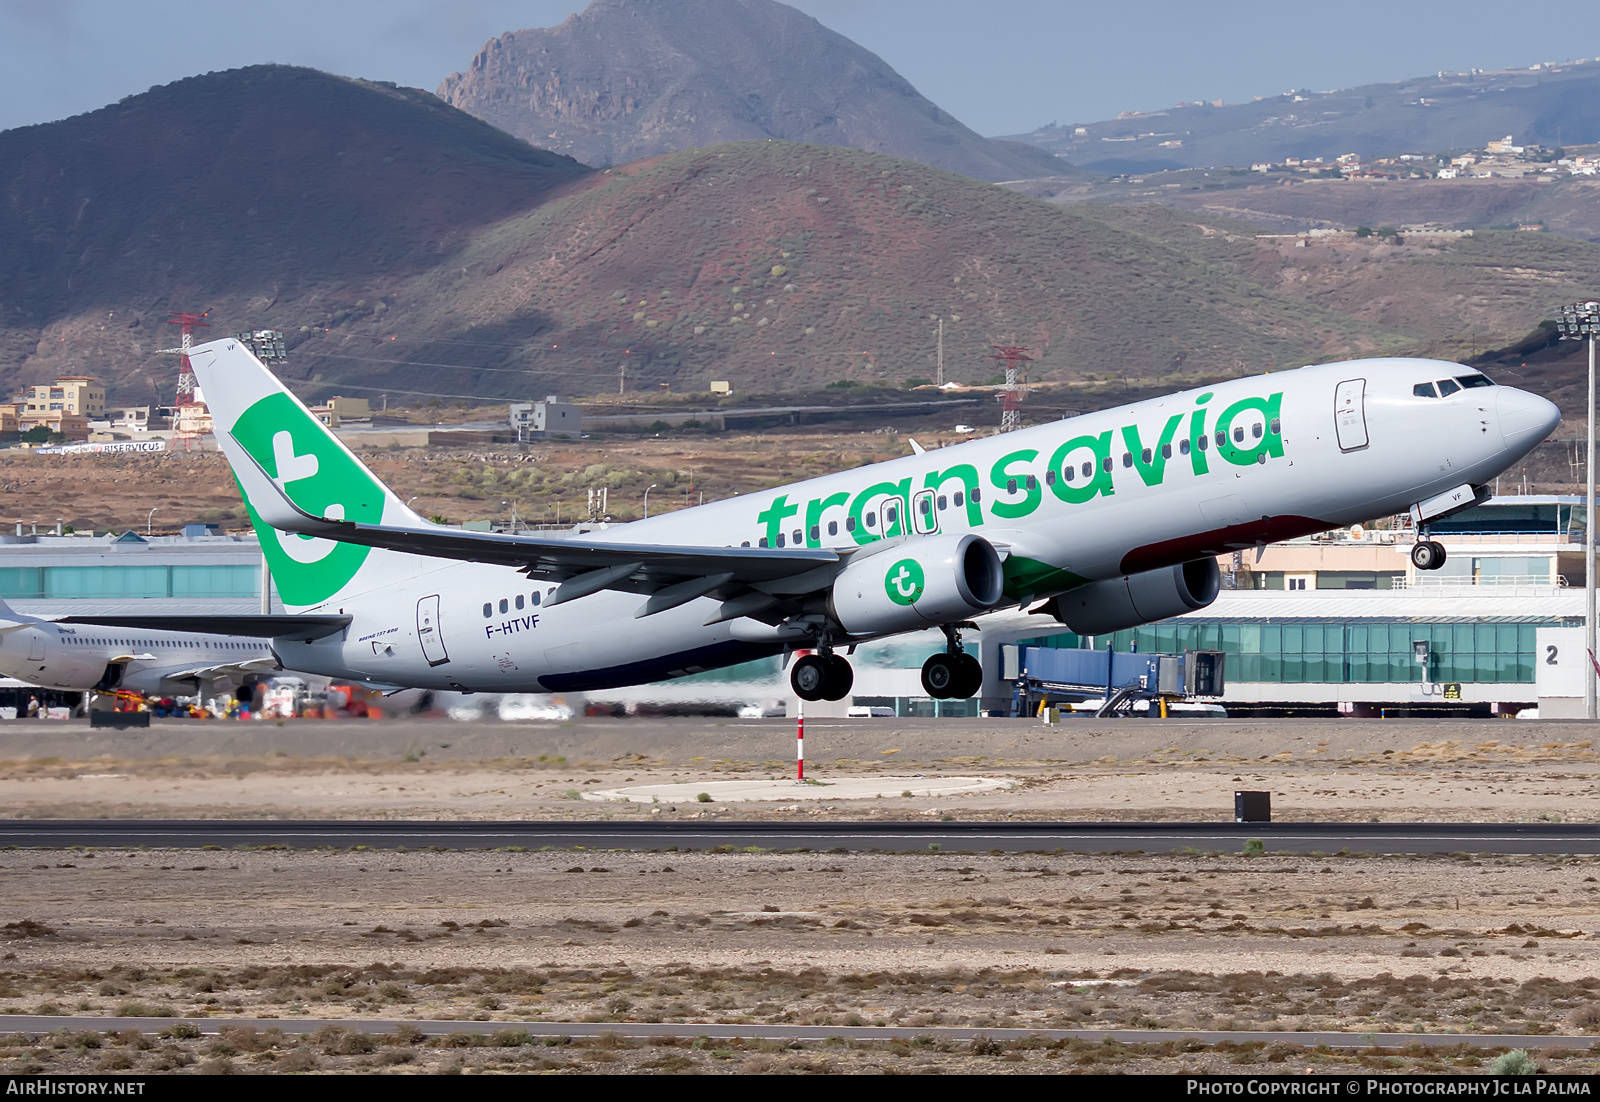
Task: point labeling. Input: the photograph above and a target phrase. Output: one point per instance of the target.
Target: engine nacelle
(1116, 603)
(922, 582)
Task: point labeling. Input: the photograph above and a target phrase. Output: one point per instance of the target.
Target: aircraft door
(923, 514)
(1350, 414)
(428, 633)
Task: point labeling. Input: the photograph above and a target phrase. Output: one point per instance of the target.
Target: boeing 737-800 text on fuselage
(1107, 520)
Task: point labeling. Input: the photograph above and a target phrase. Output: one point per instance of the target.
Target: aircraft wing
(306, 627)
(584, 566)
(206, 678)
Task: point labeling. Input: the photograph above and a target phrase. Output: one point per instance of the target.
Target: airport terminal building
(1330, 622)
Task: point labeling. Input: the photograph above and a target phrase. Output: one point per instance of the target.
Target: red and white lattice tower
(186, 379)
(1012, 393)
(190, 418)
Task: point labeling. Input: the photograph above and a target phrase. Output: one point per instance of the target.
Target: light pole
(1577, 321)
(150, 520)
(647, 490)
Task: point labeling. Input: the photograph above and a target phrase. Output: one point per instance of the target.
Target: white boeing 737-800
(1106, 521)
(160, 654)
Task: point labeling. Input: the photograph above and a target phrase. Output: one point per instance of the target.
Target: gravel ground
(1327, 770)
(1442, 944)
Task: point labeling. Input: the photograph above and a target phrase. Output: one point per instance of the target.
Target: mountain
(269, 175)
(409, 250)
(1550, 105)
(627, 79)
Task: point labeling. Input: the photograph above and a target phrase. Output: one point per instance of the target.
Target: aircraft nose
(1525, 419)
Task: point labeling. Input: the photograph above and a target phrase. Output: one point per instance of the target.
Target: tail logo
(320, 477)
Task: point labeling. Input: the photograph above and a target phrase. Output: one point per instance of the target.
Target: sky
(1000, 66)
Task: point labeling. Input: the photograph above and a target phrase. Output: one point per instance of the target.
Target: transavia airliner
(1103, 521)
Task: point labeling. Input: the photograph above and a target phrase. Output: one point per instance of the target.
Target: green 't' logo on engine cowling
(904, 582)
(319, 477)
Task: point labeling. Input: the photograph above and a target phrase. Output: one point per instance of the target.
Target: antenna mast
(1012, 393)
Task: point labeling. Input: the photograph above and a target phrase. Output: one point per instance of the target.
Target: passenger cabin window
(762, 542)
(1183, 446)
(1255, 430)
(1067, 473)
(926, 505)
(1166, 451)
(1238, 434)
(872, 520)
(1447, 387)
(505, 605)
(942, 502)
(975, 496)
(1276, 427)
(1106, 464)
(520, 600)
(780, 539)
(1088, 468)
(957, 498)
(1050, 477)
(1222, 438)
(1202, 442)
(488, 610)
(797, 538)
(1011, 485)
(1146, 456)
(1470, 381)
(833, 528)
(890, 515)
(849, 524)
(816, 531)
(1033, 483)
(536, 592)
(1127, 459)
(1424, 390)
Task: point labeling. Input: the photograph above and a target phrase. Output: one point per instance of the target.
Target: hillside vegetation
(409, 250)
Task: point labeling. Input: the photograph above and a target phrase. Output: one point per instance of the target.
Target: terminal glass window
(1347, 652)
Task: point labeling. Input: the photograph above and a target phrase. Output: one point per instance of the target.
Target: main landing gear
(1427, 555)
(954, 674)
(822, 676)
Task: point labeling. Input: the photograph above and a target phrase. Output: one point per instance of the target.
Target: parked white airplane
(1105, 521)
(177, 655)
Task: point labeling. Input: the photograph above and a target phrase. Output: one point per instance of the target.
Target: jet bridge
(1045, 676)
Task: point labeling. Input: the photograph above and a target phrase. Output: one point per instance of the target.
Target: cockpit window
(1470, 381)
(1424, 390)
(1448, 387)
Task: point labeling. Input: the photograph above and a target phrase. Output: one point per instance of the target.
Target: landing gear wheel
(971, 676)
(840, 678)
(810, 677)
(941, 676)
(1427, 555)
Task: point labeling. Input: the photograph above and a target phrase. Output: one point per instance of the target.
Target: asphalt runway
(36, 1024)
(1007, 837)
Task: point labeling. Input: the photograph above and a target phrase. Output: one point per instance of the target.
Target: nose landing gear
(822, 676)
(1427, 555)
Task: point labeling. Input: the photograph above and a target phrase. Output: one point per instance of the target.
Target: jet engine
(1116, 603)
(918, 583)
